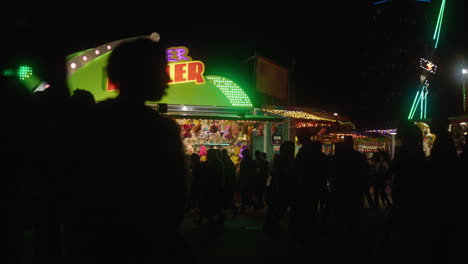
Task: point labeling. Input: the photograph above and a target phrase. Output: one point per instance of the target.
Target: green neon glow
(24, 72)
(439, 23)
(231, 90)
(8, 72)
(425, 107)
(413, 106)
(438, 32)
(421, 113)
(416, 106)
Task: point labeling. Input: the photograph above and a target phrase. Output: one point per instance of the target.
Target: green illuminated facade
(86, 71)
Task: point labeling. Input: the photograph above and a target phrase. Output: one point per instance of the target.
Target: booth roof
(223, 116)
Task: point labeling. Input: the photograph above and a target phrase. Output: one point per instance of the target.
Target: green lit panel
(8, 72)
(24, 72)
(231, 90)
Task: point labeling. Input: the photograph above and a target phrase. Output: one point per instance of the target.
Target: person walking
(136, 163)
(284, 187)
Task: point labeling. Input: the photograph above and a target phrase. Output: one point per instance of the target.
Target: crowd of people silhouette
(109, 182)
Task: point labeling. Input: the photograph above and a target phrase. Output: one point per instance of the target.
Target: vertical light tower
(429, 67)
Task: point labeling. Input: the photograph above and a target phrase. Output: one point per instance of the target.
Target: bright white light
(96, 52)
(109, 47)
(73, 65)
(463, 123)
(184, 108)
(42, 86)
(335, 114)
(393, 133)
(464, 71)
(85, 58)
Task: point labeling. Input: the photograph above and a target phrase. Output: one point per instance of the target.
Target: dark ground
(242, 240)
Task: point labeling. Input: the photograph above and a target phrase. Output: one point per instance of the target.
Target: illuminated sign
(427, 65)
(181, 68)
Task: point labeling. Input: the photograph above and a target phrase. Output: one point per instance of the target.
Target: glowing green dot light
(24, 72)
(231, 90)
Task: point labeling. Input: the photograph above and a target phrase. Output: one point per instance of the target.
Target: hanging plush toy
(228, 132)
(235, 131)
(197, 127)
(250, 132)
(202, 151)
(189, 149)
(245, 129)
(274, 129)
(186, 127)
(213, 128)
(260, 129)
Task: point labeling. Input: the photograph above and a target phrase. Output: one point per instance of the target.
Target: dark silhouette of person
(408, 214)
(261, 174)
(18, 120)
(370, 180)
(34, 158)
(195, 174)
(284, 185)
(312, 171)
(445, 197)
(382, 167)
(268, 187)
(136, 166)
(229, 172)
(348, 182)
(264, 156)
(79, 108)
(211, 184)
(247, 181)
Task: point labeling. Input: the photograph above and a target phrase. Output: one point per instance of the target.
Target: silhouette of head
(409, 133)
(224, 154)
(246, 153)
(212, 155)
(257, 154)
(287, 149)
(138, 69)
(316, 146)
(82, 97)
(348, 141)
(195, 158)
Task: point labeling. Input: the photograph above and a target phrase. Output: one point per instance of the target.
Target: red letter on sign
(195, 71)
(179, 72)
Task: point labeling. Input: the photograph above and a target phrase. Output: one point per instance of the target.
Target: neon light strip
(425, 107)
(415, 107)
(439, 24)
(438, 33)
(421, 113)
(410, 116)
(380, 2)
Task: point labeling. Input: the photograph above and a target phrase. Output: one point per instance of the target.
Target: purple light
(175, 55)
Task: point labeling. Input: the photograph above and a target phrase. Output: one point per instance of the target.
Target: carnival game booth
(213, 111)
(309, 123)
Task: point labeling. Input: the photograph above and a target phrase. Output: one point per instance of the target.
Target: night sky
(325, 40)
